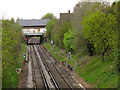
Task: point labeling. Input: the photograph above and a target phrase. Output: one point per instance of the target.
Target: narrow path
(30, 79)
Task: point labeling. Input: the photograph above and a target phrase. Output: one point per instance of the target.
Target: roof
(39, 22)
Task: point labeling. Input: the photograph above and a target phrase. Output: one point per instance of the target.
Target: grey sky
(29, 9)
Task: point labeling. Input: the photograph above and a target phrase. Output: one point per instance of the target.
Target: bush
(11, 44)
(68, 38)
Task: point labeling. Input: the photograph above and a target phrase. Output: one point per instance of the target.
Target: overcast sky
(34, 9)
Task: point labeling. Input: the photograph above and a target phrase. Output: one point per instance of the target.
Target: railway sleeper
(56, 73)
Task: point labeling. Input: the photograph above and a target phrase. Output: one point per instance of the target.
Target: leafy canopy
(101, 30)
(49, 16)
(68, 40)
(50, 27)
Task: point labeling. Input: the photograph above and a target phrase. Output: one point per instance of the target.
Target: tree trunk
(104, 53)
(103, 56)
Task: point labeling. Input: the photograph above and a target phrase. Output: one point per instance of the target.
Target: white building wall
(31, 30)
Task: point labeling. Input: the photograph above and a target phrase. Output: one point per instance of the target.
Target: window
(39, 30)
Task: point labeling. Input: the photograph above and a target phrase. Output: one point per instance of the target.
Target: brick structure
(65, 16)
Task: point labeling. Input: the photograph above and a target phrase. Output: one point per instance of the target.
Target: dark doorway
(34, 39)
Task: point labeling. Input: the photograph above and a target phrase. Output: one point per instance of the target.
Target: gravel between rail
(44, 71)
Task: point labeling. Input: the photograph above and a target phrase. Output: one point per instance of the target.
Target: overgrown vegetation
(49, 16)
(85, 20)
(91, 31)
(103, 34)
(95, 72)
(11, 47)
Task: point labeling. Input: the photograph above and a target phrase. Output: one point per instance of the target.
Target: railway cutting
(44, 72)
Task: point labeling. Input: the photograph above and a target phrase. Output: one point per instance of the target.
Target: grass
(92, 69)
(99, 73)
(20, 58)
(12, 78)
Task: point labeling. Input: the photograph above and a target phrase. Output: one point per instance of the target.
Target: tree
(49, 16)
(11, 43)
(12, 20)
(50, 27)
(68, 38)
(59, 31)
(101, 30)
(80, 10)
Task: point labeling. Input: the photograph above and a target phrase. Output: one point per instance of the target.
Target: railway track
(50, 64)
(45, 74)
(36, 73)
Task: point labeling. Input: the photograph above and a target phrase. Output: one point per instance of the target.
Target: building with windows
(33, 26)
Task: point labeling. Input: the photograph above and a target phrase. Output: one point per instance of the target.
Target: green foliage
(114, 8)
(101, 31)
(79, 44)
(80, 10)
(94, 72)
(56, 52)
(59, 31)
(12, 20)
(99, 74)
(50, 27)
(68, 38)
(11, 44)
(49, 16)
(93, 28)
